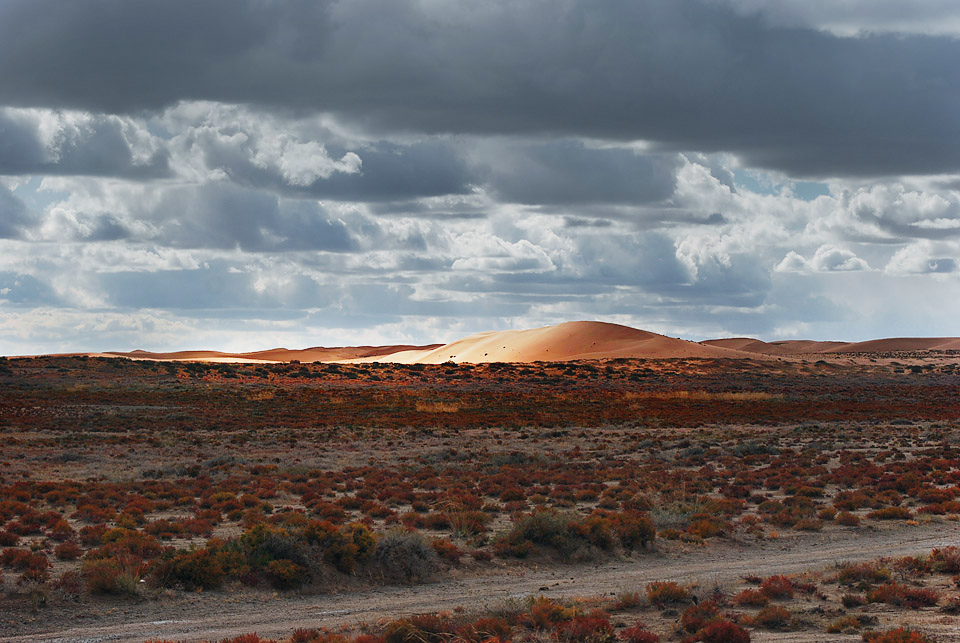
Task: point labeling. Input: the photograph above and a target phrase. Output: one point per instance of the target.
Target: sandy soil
(214, 615)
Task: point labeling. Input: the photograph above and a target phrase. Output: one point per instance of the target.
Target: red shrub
(586, 629)
(68, 551)
(447, 550)
(546, 613)
(696, 617)
(247, 638)
(420, 628)
(901, 595)
(847, 519)
(891, 513)
(61, 530)
(777, 587)
(772, 617)
(899, 635)
(724, 632)
(752, 598)
(90, 535)
(489, 628)
(636, 634)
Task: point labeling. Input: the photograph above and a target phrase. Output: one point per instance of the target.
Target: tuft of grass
(437, 407)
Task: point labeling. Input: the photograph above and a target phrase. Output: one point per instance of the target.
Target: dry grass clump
(437, 407)
(405, 556)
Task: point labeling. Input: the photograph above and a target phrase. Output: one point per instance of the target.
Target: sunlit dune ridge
(563, 342)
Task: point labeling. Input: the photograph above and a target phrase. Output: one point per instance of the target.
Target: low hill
(799, 347)
(563, 342)
(315, 354)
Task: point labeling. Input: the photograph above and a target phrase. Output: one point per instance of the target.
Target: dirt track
(194, 617)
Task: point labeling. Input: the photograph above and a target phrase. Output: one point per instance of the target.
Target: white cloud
(827, 258)
(923, 258)
(488, 253)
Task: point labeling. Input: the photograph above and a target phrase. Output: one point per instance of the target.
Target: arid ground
(806, 497)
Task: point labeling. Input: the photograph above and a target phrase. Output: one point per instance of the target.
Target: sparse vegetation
(122, 480)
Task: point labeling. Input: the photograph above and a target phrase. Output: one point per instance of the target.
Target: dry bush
(666, 593)
(752, 598)
(405, 556)
(870, 572)
(772, 617)
(901, 595)
(590, 628)
(697, 617)
(724, 632)
(777, 587)
(637, 634)
(899, 635)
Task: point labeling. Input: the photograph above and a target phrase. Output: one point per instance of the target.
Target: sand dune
(315, 354)
(747, 344)
(569, 341)
(563, 342)
(901, 344)
(799, 347)
(787, 347)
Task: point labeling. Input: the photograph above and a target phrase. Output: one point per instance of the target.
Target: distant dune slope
(747, 344)
(896, 344)
(316, 354)
(796, 347)
(569, 341)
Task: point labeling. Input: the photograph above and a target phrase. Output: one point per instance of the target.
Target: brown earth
(215, 615)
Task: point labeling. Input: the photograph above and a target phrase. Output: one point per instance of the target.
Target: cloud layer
(262, 172)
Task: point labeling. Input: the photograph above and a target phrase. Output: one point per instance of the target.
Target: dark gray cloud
(212, 288)
(97, 148)
(222, 215)
(123, 56)
(388, 172)
(566, 172)
(102, 227)
(687, 74)
(13, 215)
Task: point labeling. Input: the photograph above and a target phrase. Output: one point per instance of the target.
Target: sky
(247, 174)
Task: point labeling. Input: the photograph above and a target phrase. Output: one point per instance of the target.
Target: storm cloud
(261, 172)
(686, 74)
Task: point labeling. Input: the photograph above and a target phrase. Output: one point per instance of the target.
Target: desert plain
(581, 483)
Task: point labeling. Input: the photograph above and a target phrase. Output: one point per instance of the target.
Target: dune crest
(563, 342)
